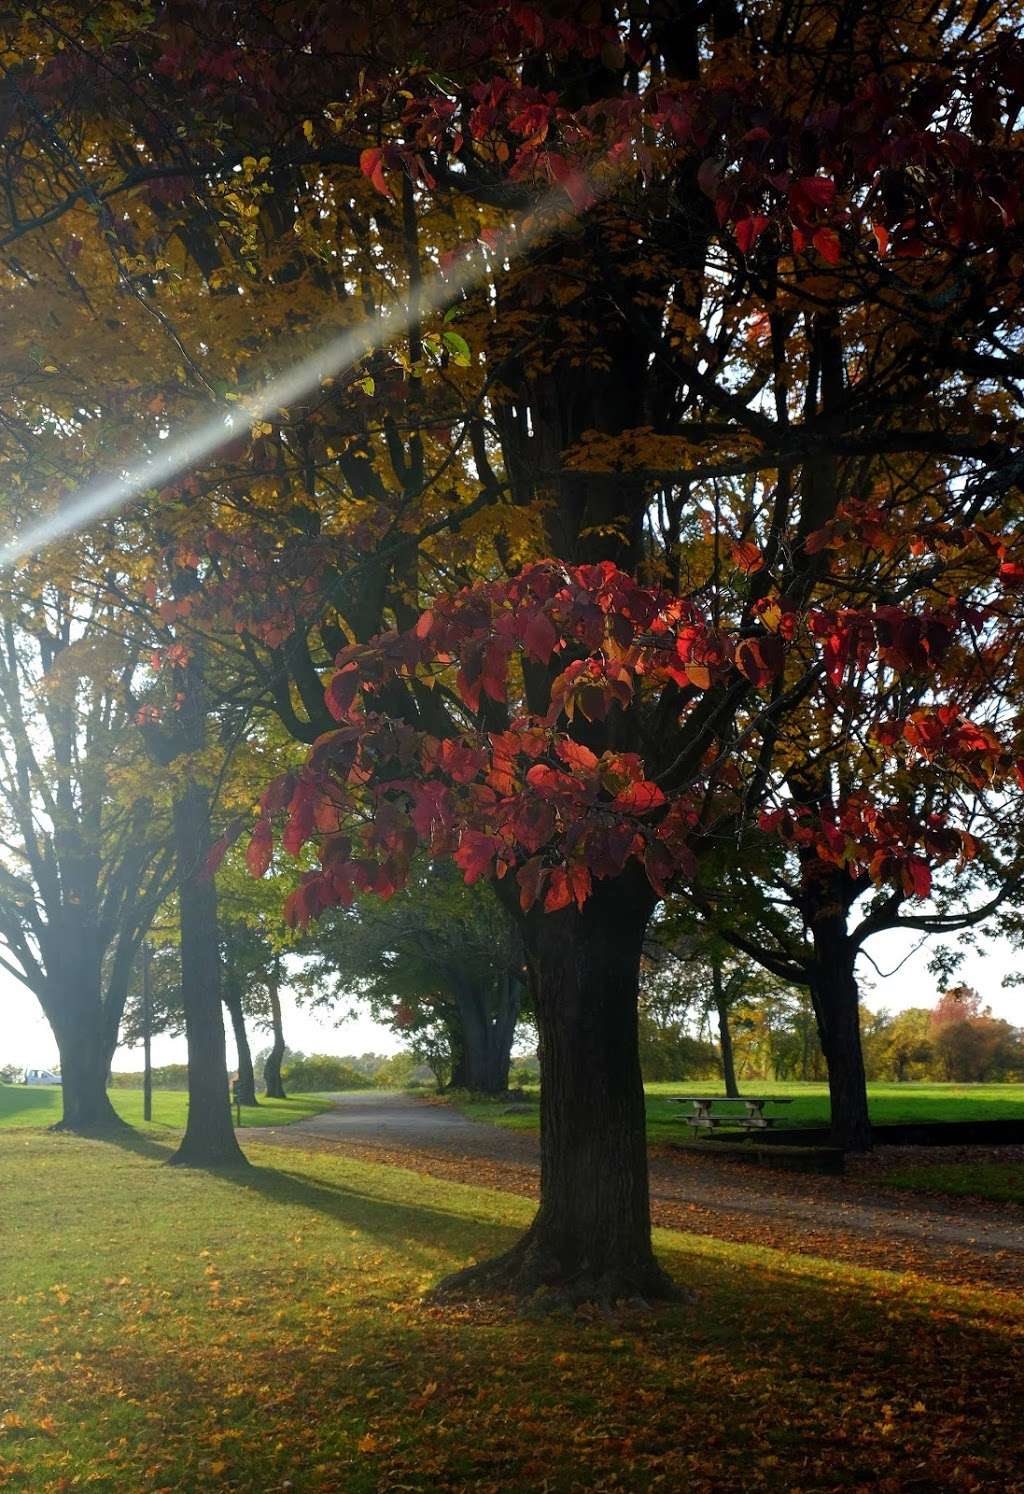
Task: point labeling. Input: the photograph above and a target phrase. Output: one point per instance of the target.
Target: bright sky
(25, 1038)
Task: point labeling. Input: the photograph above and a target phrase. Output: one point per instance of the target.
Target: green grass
(889, 1104)
(173, 1330)
(26, 1105)
(1003, 1181)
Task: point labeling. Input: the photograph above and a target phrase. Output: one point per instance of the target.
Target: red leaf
(540, 637)
(881, 234)
(820, 191)
(260, 848)
(760, 659)
(747, 556)
(341, 692)
(220, 848)
(530, 876)
(659, 864)
(371, 164)
(573, 182)
(475, 855)
(576, 756)
(550, 783)
(534, 824)
(579, 883)
(917, 878)
(826, 241)
(638, 798)
(749, 230)
(559, 894)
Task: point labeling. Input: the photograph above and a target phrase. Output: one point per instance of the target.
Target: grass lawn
(1003, 1181)
(172, 1330)
(26, 1105)
(889, 1104)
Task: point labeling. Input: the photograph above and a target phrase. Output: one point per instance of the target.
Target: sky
(26, 1040)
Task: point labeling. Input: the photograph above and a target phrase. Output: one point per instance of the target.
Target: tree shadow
(350, 1206)
(17, 1099)
(390, 1219)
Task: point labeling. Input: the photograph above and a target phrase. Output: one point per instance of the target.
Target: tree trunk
(724, 1035)
(835, 997)
(209, 1139)
(85, 1058)
(246, 1077)
(591, 1237)
(486, 1047)
(272, 1068)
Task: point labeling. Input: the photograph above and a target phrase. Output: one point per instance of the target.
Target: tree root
(544, 1284)
(209, 1159)
(97, 1130)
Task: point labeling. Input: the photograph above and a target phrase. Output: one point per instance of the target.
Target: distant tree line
(958, 1040)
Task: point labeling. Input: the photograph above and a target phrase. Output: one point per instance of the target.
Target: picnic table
(753, 1118)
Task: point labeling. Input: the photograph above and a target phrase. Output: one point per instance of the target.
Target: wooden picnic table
(753, 1118)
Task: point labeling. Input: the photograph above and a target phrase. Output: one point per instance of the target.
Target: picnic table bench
(753, 1117)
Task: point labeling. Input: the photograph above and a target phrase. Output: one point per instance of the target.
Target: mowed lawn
(807, 1104)
(27, 1105)
(171, 1330)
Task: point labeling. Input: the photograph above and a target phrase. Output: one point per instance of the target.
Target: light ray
(549, 217)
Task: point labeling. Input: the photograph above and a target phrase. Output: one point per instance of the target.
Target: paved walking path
(852, 1218)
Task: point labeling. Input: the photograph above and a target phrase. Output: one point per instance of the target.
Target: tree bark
(591, 1237)
(485, 1051)
(86, 1051)
(835, 997)
(246, 1077)
(209, 1139)
(272, 1068)
(724, 1034)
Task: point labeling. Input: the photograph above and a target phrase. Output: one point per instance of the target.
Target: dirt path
(851, 1218)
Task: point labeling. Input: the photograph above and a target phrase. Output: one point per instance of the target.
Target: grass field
(889, 1104)
(1002, 1181)
(26, 1105)
(169, 1330)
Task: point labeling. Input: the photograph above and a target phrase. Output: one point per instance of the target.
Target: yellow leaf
(368, 1443)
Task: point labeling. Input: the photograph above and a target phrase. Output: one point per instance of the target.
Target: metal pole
(147, 1032)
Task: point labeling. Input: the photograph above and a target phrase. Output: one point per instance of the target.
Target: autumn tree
(437, 954)
(85, 860)
(722, 325)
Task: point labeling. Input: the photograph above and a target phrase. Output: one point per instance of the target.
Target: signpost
(147, 1032)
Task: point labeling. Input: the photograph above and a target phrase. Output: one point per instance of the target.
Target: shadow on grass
(17, 1099)
(798, 1382)
(353, 1207)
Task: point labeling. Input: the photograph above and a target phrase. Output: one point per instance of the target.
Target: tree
(969, 1043)
(737, 311)
(695, 971)
(440, 963)
(86, 861)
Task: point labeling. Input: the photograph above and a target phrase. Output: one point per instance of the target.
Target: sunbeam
(550, 215)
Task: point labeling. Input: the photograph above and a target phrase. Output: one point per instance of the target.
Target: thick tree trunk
(85, 1058)
(835, 996)
(246, 1077)
(591, 1237)
(486, 1047)
(724, 1034)
(272, 1068)
(209, 1139)
(460, 1068)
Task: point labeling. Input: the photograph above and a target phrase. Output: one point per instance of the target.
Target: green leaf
(459, 348)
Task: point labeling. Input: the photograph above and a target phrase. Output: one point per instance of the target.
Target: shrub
(320, 1071)
(170, 1076)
